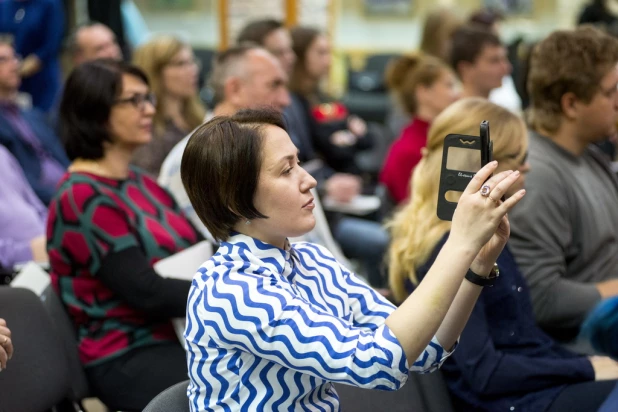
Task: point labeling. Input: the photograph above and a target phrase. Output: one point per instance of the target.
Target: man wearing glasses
(25, 132)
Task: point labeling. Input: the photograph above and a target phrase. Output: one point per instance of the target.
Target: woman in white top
(271, 325)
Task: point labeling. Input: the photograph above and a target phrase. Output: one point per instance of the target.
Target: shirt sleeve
(541, 236)
(129, 274)
(13, 252)
(370, 310)
(491, 372)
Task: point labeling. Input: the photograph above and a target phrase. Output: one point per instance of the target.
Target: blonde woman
(504, 361)
(173, 74)
(423, 86)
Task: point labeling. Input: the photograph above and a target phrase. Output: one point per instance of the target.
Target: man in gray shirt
(565, 231)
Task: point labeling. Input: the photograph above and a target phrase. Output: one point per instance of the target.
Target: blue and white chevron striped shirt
(269, 329)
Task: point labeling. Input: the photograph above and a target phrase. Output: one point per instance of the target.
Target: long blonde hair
(415, 229)
(152, 57)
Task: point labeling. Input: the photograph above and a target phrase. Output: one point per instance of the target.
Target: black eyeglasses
(139, 100)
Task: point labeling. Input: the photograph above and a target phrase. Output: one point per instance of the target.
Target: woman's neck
(172, 110)
(425, 113)
(114, 164)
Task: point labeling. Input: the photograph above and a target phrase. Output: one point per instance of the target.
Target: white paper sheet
(359, 205)
(33, 277)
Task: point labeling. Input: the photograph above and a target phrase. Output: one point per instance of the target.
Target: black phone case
(457, 180)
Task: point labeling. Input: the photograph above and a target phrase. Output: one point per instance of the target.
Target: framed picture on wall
(388, 8)
(510, 7)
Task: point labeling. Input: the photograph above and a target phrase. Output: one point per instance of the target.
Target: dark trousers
(582, 397)
(132, 380)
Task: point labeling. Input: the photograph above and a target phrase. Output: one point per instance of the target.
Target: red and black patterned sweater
(101, 233)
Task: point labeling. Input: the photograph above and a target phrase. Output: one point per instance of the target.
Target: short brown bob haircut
(567, 61)
(220, 168)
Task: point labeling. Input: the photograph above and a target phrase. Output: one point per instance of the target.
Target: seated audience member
(37, 28)
(565, 234)
(108, 224)
(267, 312)
(243, 77)
(479, 59)
(274, 37)
(337, 135)
(503, 361)
(25, 133)
(337, 138)
(505, 95)
(93, 41)
(22, 216)
(424, 86)
(173, 74)
(6, 345)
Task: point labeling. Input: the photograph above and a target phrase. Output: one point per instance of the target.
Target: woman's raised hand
(480, 216)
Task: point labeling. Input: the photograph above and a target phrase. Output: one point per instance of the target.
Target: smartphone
(462, 157)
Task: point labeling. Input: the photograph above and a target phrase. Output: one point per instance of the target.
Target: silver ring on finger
(485, 190)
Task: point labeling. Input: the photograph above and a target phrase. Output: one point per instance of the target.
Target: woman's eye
(288, 171)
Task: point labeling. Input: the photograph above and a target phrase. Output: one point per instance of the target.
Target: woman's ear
(232, 91)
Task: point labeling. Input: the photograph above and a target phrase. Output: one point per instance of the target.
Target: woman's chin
(305, 226)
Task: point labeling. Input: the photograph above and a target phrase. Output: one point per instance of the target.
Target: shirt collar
(266, 252)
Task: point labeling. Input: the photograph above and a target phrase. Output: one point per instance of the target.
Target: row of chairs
(422, 393)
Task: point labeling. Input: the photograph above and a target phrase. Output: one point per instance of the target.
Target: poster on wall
(391, 8)
(510, 7)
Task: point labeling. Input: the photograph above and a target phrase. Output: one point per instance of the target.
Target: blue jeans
(365, 241)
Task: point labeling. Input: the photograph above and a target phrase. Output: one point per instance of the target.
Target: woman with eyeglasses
(173, 73)
(504, 361)
(108, 224)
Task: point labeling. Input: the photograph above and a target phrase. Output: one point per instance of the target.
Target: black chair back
(173, 398)
(37, 378)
